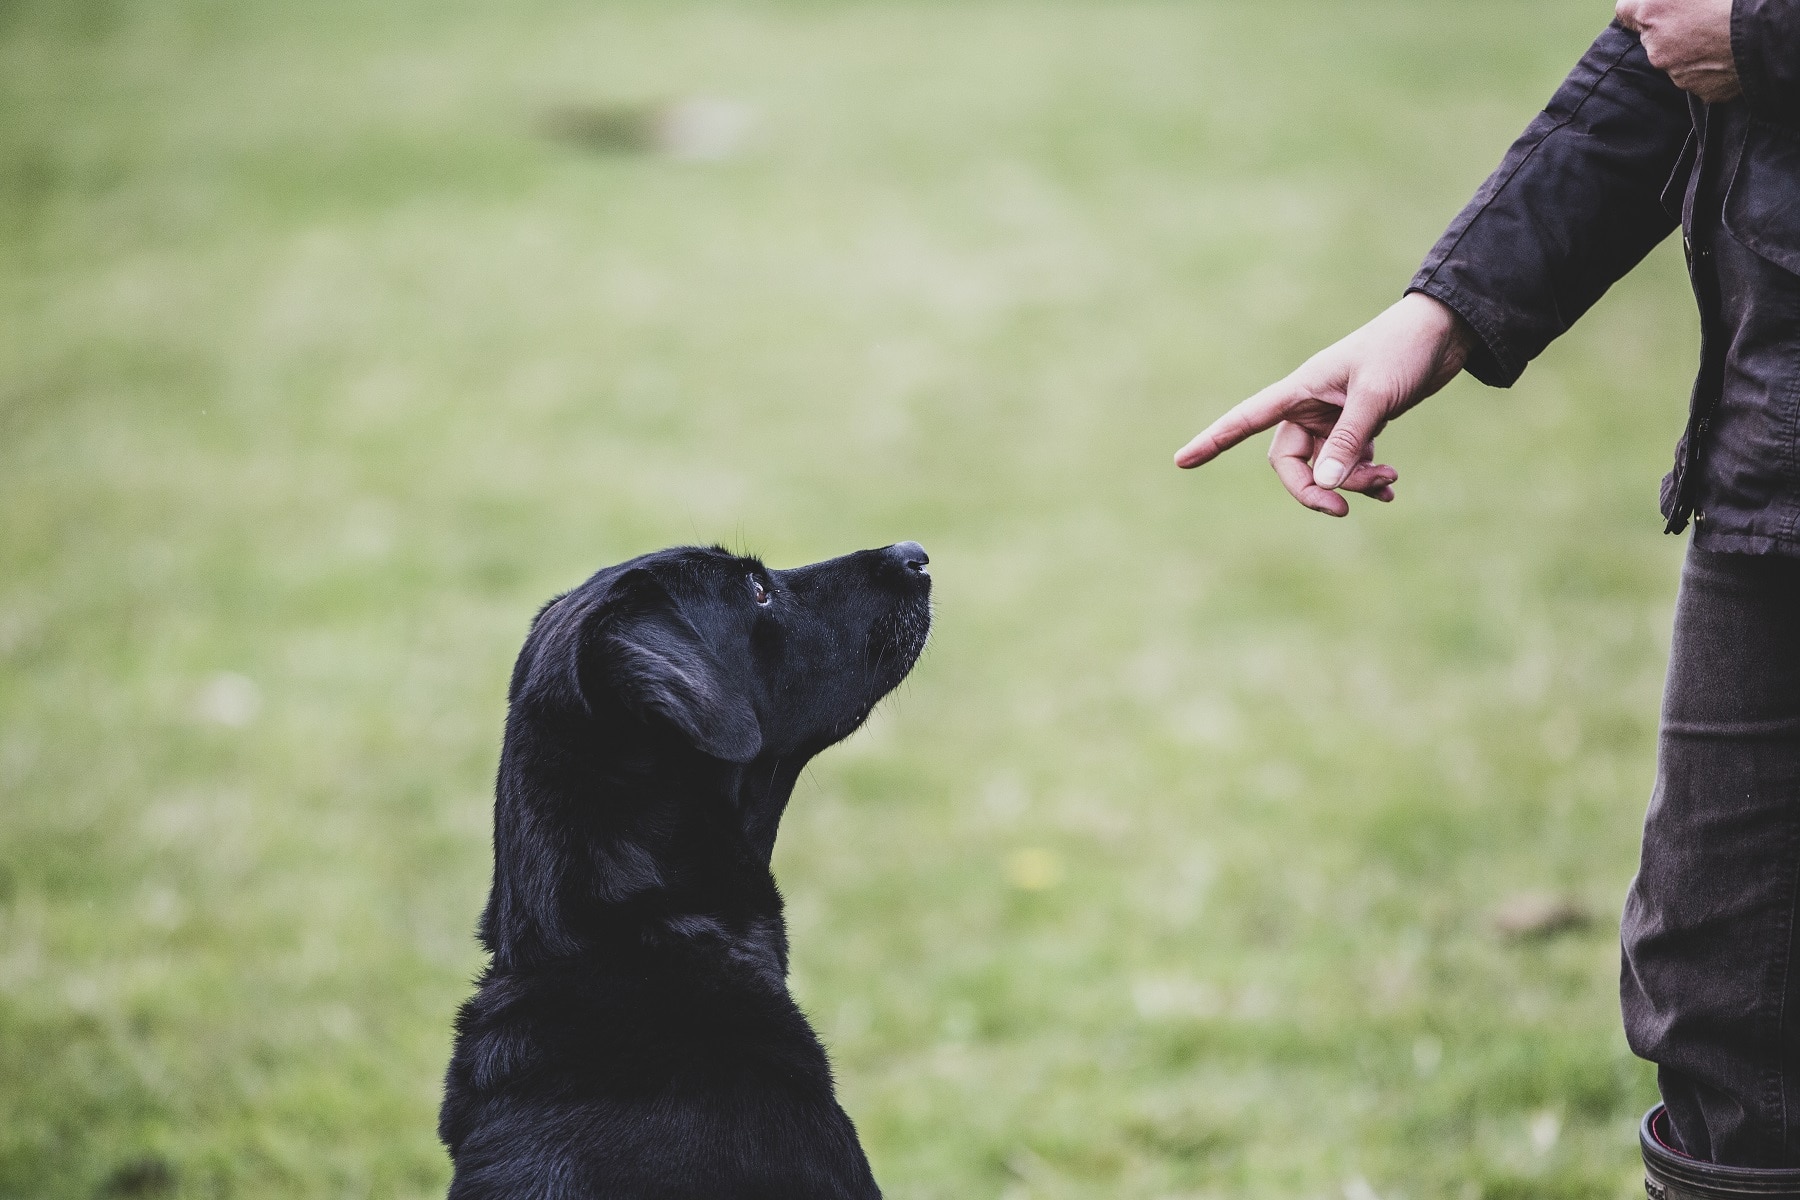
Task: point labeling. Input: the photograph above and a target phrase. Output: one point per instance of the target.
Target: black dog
(633, 1037)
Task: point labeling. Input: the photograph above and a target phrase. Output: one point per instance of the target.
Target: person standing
(1684, 114)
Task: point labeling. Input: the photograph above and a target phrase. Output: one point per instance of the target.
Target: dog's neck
(608, 843)
(760, 794)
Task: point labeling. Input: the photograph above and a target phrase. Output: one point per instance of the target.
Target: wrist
(1453, 335)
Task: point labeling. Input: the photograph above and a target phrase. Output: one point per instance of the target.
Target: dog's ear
(658, 664)
(625, 642)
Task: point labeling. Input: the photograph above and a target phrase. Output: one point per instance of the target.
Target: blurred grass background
(1172, 871)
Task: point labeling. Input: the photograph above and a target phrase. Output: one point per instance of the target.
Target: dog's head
(720, 654)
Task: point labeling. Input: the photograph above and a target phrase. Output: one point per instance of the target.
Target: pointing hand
(1326, 414)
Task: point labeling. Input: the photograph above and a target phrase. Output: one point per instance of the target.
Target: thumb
(1363, 415)
(1627, 12)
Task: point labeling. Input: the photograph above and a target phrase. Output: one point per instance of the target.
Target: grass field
(1171, 872)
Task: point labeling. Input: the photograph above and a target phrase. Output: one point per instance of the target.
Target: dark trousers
(1711, 980)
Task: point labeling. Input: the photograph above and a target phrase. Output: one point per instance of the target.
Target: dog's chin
(896, 642)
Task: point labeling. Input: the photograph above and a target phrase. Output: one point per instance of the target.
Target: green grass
(320, 365)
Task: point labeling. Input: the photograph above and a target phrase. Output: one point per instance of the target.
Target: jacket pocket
(1762, 208)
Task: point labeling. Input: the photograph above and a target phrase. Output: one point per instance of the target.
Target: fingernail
(1329, 473)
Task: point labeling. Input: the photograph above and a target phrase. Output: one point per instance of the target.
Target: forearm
(1575, 205)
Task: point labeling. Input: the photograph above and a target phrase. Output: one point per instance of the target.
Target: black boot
(1672, 1175)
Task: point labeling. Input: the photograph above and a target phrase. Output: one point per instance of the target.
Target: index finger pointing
(1262, 411)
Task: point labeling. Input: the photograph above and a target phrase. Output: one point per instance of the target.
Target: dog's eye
(758, 592)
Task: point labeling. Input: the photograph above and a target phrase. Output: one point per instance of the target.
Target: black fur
(633, 1037)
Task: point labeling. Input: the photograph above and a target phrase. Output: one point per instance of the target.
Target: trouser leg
(1710, 986)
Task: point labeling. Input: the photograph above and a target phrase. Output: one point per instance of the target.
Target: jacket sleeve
(1576, 203)
(1765, 41)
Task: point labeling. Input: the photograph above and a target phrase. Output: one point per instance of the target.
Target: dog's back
(634, 1038)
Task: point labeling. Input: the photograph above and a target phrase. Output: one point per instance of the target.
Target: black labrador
(633, 1037)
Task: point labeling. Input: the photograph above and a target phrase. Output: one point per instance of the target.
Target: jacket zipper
(1709, 385)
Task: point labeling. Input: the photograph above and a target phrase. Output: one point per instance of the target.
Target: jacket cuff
(1491, 360)
(1765, 42)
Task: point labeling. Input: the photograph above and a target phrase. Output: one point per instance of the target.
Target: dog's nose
(910, 555)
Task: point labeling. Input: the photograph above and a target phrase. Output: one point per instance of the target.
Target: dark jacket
(1618, 160)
